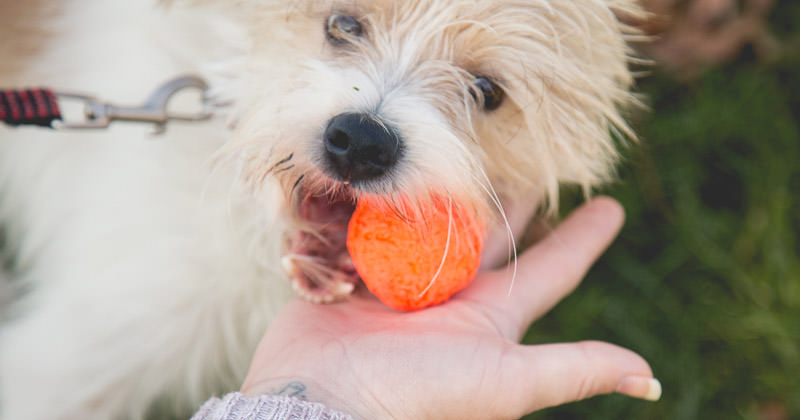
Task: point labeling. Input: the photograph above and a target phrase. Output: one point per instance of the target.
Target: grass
(704, 280)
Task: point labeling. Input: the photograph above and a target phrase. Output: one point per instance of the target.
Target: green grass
(704, 280)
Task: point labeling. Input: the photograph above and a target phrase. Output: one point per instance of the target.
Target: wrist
(311, 391)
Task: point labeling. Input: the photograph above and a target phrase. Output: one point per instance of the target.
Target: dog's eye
(492, 94)
(339, 27)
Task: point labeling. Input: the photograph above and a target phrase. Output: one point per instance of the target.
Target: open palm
(460, 360)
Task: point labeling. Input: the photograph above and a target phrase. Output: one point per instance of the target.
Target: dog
(143, 270)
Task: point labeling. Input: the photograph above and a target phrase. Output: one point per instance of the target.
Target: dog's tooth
(342, 288)
(288, 265)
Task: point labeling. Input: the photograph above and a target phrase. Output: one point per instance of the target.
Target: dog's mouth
(317, 261)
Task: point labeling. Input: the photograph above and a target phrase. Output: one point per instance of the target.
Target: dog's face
(475, 100)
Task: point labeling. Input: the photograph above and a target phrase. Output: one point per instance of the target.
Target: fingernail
(642, 387)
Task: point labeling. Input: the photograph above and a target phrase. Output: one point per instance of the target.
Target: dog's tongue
(332, 218)
(318, 263)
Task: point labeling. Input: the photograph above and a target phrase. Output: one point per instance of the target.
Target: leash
(41, 107)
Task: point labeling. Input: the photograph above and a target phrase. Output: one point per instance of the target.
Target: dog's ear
(571, 83)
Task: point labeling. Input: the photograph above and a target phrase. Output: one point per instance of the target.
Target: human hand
(459, 360)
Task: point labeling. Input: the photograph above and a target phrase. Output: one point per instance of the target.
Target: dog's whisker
(512, 243)
(262, 179)
(296, 185)
(282, 170)
(446, 247)
(281, 162)
(399, 211)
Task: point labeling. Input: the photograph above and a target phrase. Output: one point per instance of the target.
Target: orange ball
(401, 260)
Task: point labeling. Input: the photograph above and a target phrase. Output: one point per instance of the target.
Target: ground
(704, 280)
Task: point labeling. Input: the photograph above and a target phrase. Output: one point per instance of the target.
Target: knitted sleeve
(236, 406)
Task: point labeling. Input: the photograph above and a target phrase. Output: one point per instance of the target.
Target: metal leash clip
(99, 114)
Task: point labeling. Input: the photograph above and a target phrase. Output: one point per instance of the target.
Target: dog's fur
(145, 270)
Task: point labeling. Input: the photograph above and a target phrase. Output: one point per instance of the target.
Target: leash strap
(29, 107)
(39, 106)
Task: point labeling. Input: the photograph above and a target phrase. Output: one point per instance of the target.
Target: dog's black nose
(360, 147)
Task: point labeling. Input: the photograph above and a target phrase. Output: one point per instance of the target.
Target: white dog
(144, 270)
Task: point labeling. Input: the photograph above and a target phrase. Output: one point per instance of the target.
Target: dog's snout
(360, 147)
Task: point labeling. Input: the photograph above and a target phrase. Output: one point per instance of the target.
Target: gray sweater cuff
(236, 406)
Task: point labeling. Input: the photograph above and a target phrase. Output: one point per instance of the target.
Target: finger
(498, 248)
(552, 268)
(561, 260)
(555, 374)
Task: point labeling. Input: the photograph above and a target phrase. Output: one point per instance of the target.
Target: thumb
(555, 374)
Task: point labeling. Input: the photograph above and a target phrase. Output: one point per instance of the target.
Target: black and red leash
(36, 106)
(40, 107)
